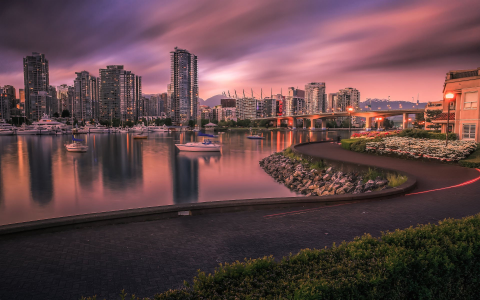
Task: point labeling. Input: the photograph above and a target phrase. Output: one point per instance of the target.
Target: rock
(309, 194)
(349, 188)
(381, 183)
(358, 189)
(370, 185)
(340, 191)
(329, 170)
(327, 177)
(317, 178)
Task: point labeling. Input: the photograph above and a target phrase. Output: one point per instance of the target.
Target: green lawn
(473, 160)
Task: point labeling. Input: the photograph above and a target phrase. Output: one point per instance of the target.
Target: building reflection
(122, 162)
(86, 165)
(40, 162)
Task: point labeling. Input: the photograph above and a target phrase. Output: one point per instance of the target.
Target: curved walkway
(149, 257)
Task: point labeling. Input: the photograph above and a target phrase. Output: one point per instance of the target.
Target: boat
(97, 129)
(6, 131)
(26, 130)
(255, 137)
(205, 146)
(76, 146)
(138, 128)
(157, 128)
(45, 123)
(123, 130)
(140, 136)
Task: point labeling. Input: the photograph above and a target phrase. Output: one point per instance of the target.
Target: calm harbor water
(39, 179)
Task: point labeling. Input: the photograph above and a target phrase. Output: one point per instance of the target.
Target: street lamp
(448, 97)
(378, 122)
(350, 110)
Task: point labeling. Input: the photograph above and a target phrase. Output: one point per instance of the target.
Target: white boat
(6, 131)
(138, 128)
(158, 128)
(255, 137)
(26, 130)
(76, 146)
(123, 130)
(46, 123)
(205, 146)
(97, 129)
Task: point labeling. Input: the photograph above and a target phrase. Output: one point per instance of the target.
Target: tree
(204, 122)
(65, 113)
(387, 124)
(168, 122)
(191, 123)
(431, 114)
(222, 123)
(56, 115)
(129, 124)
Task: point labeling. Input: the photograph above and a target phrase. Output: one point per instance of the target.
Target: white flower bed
(428, 148)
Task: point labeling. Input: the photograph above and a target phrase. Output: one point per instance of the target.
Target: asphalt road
(149, 257)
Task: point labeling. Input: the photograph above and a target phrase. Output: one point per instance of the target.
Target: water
(39, 179)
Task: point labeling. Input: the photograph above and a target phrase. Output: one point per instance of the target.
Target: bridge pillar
(279, 123)
(405, 120)
(368, 123)
(304, 123)
(312, 124)
(324, 124)
(294, 125)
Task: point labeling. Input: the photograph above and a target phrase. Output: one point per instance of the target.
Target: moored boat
(255, 137)
(76, 146)
(205, 146)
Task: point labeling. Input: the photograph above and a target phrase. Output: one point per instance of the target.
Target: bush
(371, 174)
(395, 180)
(426, 134)
(346, 143)
(427, 262)
(473, 160)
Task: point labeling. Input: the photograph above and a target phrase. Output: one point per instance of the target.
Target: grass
(473, 160)
(317, 165)
(433, 261)
(395, 180)
(371, 174)
(347, 143)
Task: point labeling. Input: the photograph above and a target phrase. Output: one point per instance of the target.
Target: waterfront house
(464, 117)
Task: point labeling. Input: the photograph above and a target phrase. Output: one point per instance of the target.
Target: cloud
(246, 44)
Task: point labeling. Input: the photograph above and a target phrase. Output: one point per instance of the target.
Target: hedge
(472, 161)
(427, 262)
(426, 134)
(346, 143)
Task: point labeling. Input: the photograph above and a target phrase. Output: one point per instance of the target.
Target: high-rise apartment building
(347, 97)
(315, 97)
(52, 104)
(246, 108)
(65, 97)
(331, 104)
(183, 88)
(7, 97)
(269, 107)
(36, 79)
(295, 102)
(120, 92)
(85, 103)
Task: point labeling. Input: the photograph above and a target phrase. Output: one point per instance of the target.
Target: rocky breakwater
(314, 179)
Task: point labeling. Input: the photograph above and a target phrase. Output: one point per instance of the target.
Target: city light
(449, 95)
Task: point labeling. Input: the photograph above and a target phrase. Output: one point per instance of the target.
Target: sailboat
(76, 146)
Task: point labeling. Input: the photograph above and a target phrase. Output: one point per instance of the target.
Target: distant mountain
(381, 104)
(212, 101)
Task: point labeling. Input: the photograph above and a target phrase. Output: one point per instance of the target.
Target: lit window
(469, 131)
(471, 100)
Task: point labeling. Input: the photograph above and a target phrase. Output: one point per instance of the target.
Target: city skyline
(381, 48)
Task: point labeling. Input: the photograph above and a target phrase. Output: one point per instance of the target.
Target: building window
(471, 100)
(469, 131)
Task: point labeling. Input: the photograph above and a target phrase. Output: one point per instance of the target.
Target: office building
(36, 80)
(347, 97)
(183, 89)
(246, 108)
(119, 93)
(315, 97)
(65, 97)
(294, 102)
(52, 104)
(269, 107)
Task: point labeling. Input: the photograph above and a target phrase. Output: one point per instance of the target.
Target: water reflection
(40, 162)
(39, 179)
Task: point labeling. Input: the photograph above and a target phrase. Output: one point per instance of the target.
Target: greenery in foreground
(473, 160)
(427, 262)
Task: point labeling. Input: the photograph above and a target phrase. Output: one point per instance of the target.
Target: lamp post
(449, 97)
(350, 110)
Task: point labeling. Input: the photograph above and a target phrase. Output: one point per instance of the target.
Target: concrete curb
(173, 211)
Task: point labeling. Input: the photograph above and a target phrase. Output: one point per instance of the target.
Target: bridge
(323, 117)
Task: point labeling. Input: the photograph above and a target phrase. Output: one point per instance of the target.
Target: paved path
(150, 257)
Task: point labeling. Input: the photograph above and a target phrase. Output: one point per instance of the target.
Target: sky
(400, 49)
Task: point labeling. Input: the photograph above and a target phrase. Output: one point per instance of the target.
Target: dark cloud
(240, 43)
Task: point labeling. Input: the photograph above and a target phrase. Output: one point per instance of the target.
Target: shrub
(473, 160)
(396, 179)
(426, 134)
(371, 174)
(346, 143)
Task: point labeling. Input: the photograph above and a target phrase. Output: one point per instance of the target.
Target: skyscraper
(120, 93)
(183, 88)
(52, 105)
(347, 97)
(36, 79)
(65, 97)
(86, 96)
(315, 97)
(294, 102)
